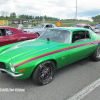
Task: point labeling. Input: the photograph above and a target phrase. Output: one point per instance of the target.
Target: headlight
(12, 67)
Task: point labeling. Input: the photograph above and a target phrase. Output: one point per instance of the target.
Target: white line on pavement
(81, 94)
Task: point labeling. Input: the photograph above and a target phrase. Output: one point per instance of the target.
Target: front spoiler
(12, 74)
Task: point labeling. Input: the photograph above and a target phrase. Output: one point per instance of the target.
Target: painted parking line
(81, 94)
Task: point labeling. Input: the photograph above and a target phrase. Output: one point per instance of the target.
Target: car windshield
(39, 26)
(79, 25)
(55, 35)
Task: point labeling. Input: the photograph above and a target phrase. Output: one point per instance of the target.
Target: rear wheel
(21, 40)
(44, 73)
(96, 55)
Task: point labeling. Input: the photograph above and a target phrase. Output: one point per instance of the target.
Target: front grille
(2, 65)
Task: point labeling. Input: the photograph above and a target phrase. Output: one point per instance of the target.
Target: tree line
(13, 16)
(96, 18)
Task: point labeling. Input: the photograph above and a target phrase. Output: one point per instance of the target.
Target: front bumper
(12, 74)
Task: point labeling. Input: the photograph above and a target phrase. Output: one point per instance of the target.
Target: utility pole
(76, 9)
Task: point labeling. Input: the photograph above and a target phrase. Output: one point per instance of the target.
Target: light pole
(76, 9)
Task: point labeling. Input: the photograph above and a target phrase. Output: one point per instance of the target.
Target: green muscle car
(55, 48)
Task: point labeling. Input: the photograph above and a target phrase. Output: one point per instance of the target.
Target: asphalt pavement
(78, 81)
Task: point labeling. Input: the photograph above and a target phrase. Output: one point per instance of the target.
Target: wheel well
(37, 33)
(54, 62)
(22, 40)
(47, 60)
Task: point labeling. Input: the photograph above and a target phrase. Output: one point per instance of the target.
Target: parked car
(87, 26)
(39, 28)
(10, 35)
(97, 26)
(55, 48)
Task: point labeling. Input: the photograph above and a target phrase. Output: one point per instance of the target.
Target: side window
(8, 32)
(52, 26)
(48, 26)
(80, 36)
(2, 32)
(87, 27)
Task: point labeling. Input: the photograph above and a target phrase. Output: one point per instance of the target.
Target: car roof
(82, 24)
(12, 29)
(6, 27)
(45, 23)
(69, 28)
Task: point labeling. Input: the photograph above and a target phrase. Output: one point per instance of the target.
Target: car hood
(29, 47)
(33, 29)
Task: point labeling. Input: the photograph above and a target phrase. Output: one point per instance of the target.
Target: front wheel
(96, 55)
(44, 73)
(37, 33)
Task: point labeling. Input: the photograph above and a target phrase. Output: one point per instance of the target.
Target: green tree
(96, 18)
(13, 15)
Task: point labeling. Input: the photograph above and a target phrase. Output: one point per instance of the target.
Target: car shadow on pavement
(73, 66)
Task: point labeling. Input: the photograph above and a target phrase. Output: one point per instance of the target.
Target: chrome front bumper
(12, 74)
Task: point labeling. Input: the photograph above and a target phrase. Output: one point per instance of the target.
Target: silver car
(87, 26)
(39, 28)
(84, 26)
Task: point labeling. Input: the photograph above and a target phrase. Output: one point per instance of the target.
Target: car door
(3, 37)
(12, 37)
(81, 46)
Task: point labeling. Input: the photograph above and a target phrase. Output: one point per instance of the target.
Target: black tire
(96, 55)
(44, 73)
(37, 33)
(20, 40)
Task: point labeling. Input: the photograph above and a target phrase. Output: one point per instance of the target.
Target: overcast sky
(63, 9)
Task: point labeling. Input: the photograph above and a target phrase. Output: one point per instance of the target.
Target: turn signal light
(21, 70)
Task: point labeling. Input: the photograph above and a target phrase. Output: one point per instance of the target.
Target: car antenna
(48, 39)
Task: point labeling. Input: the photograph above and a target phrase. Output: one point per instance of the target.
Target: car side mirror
(96, 31)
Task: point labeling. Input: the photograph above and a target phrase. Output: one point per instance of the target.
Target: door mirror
(96, 31)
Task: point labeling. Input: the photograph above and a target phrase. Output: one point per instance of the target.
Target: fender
(46, 58)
